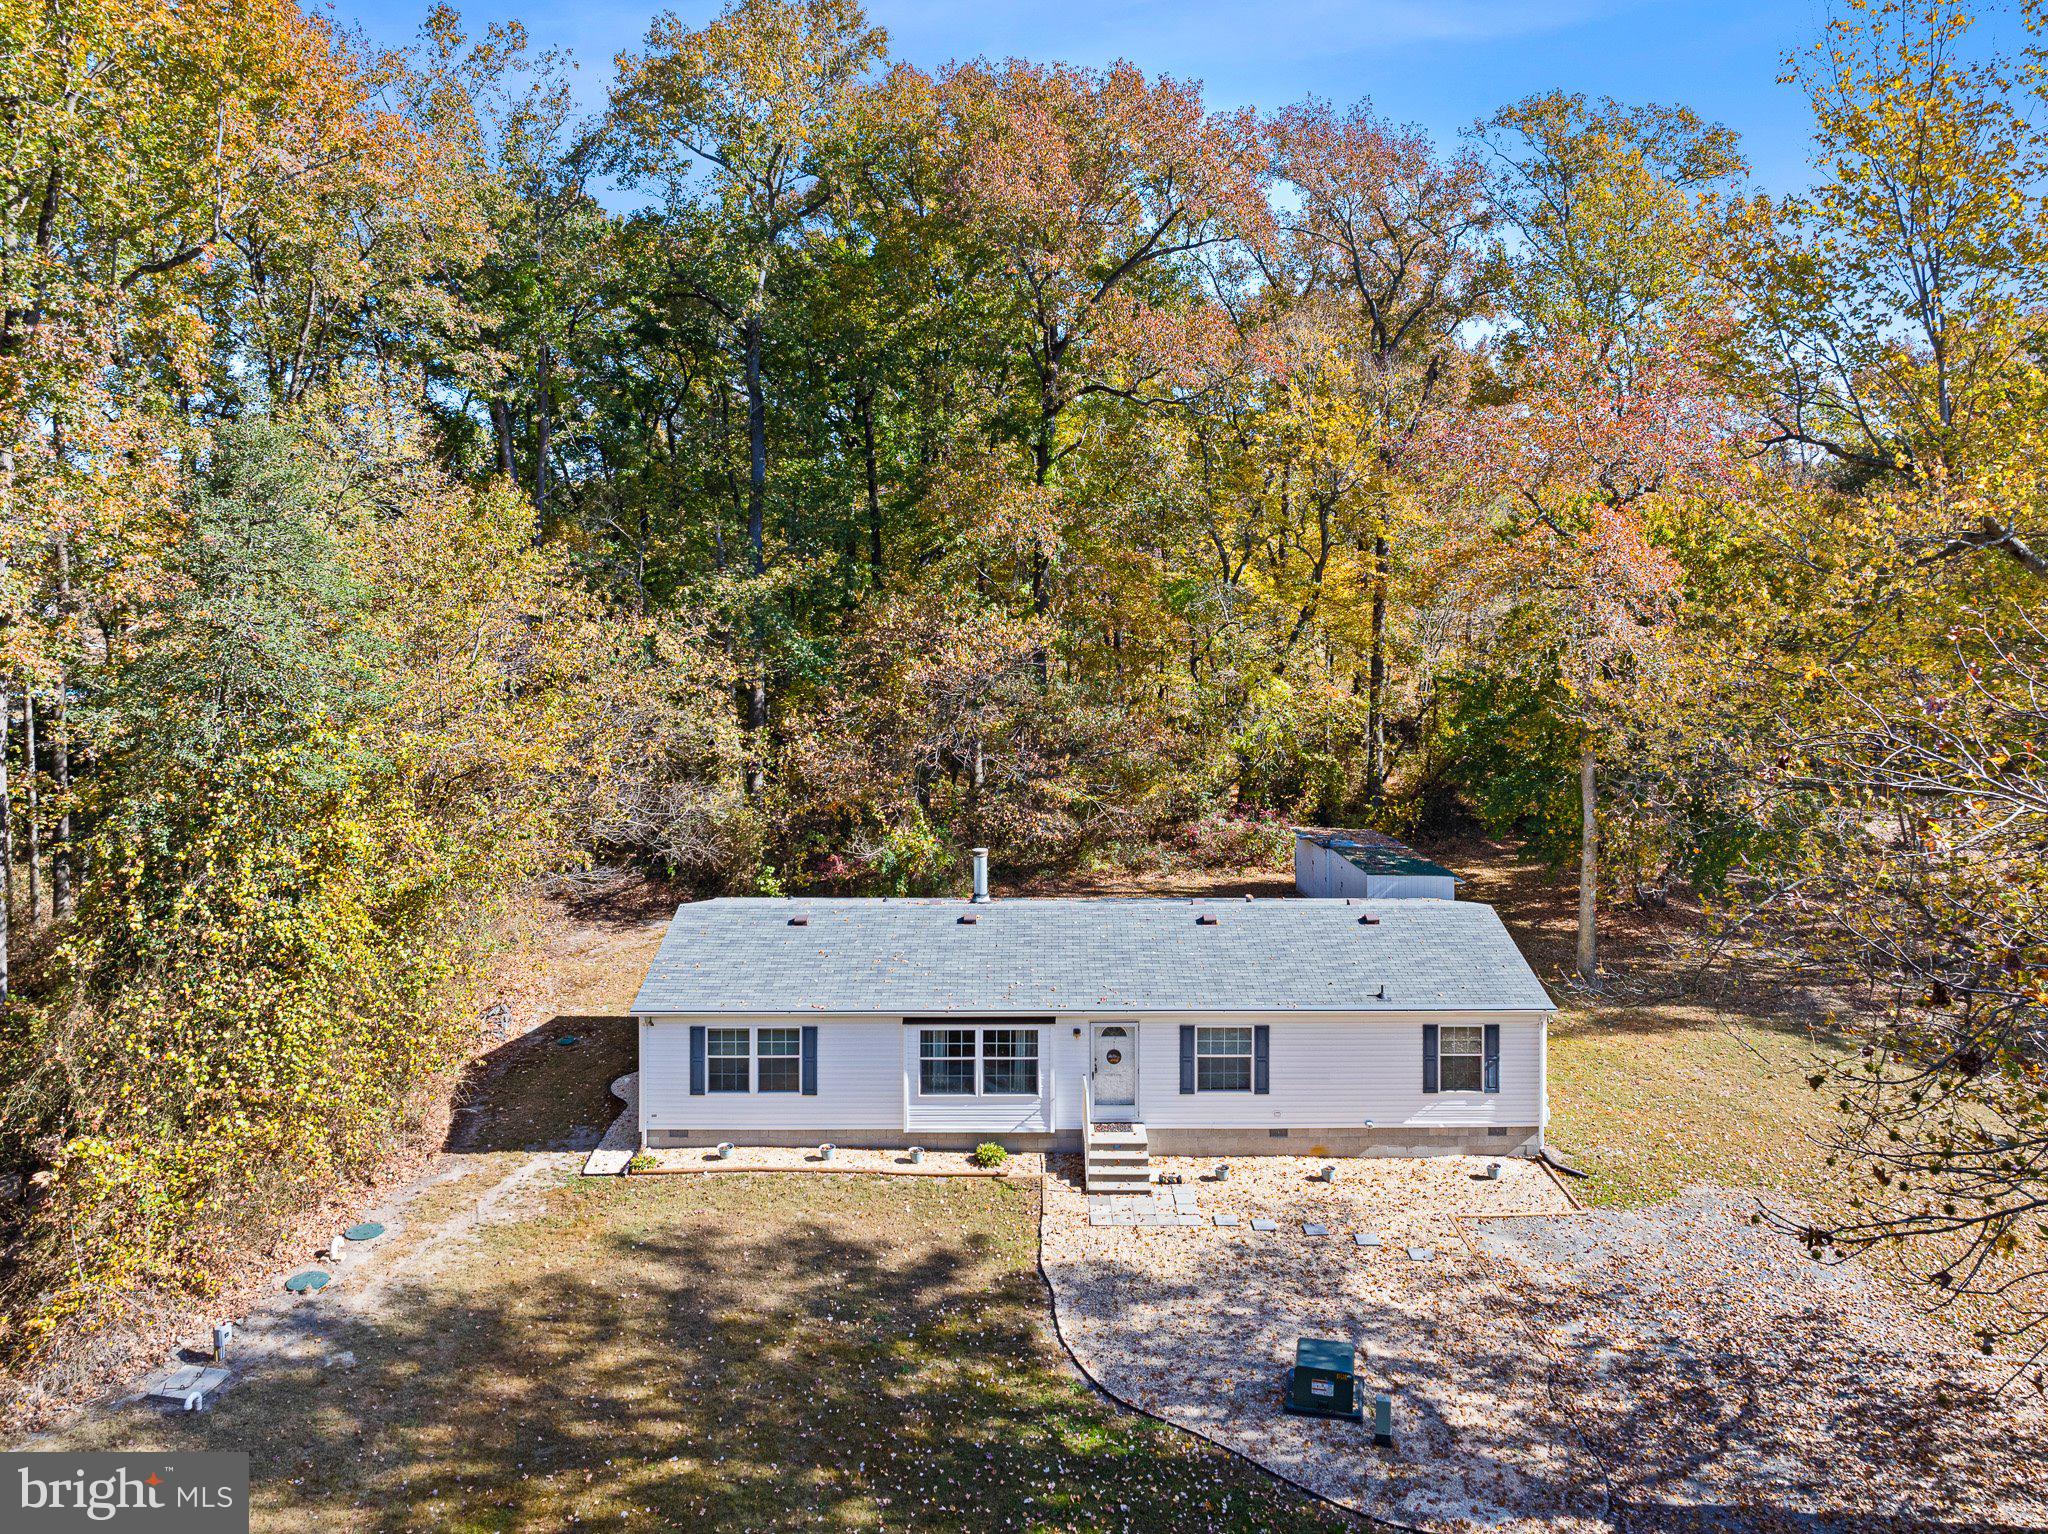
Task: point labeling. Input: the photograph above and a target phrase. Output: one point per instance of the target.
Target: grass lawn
(1653, 1099)
(731, 1353)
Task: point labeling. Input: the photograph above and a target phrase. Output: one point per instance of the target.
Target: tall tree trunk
(756, 687)
(60, 844)
(501, 430)
(1376, 678)
(1041, 569)
(1589, 867)
(34, 806)
(757, 447)
(543, 439)
(60, 849)
(864, 404)
(6, 837)
(6, 732)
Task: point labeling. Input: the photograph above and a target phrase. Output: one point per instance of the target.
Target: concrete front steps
(1118, 1160)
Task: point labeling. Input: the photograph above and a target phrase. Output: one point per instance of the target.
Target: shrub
(988, 1153)
(642, 1162)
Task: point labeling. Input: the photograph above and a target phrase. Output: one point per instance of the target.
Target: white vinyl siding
(860, 1081)
(1339, 1072)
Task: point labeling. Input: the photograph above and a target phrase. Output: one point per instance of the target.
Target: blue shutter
(1262, 1074)
(810, 1046)
(1429, 1071)
(696, 1059)
(1187, 1057)
(1492, 1077)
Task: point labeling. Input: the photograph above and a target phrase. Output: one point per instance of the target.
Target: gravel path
(1551, 1370)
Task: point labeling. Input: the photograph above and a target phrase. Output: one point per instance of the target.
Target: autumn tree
(730, 123)
(1096, 192)
(1878, 692)
(1402, 236)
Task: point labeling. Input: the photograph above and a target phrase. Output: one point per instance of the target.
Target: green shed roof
(1375, 853)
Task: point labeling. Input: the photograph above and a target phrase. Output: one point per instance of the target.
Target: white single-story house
(1366, 865)
(1196, 1026)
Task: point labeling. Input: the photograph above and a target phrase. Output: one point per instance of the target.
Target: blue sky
(1438, 63)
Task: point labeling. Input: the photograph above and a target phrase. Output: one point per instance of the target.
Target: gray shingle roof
(914, 957)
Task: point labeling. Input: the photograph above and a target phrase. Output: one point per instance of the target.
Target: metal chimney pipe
(981, 876)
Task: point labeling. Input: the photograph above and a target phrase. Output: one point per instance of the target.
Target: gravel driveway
(1668, 1368)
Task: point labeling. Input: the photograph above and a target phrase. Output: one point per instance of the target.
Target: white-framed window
(1223, 1059)
(778, 1060)
(1009, 1062)
(1461, 1059)
(977, 1062)
(946, 1061)
(727, 1060)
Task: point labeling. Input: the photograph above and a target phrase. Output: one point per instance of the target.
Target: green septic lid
(1324, 1353)
(307, 1282)
(369, 1230)
(567, 1040)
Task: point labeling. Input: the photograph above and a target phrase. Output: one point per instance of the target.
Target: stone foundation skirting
(859, 1139)
(1393, 1140)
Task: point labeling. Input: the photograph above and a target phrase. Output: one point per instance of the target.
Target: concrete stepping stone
(186, 1386)
(1225, 1221)
(1265, 1225)
(1421, 1253)
(1369, 1238)
(1313, 1229)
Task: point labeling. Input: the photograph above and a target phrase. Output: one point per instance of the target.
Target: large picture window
(1223, 1059)
(971, 1062)
(727, 1061)
(945, 1062)
(1009, 1062)
(1460, 1052)
(779, 1060)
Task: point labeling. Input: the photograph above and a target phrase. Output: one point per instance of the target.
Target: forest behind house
(415, 490)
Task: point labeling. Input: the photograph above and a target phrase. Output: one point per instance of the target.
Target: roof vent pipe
(981, 876)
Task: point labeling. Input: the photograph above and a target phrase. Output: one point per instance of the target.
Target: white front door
(1116, 1068)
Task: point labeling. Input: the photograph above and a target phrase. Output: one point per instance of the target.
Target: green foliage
(988, 1154)
(300, 846)
(1512, 756)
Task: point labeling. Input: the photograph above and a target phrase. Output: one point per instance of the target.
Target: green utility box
(1324, 1380)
